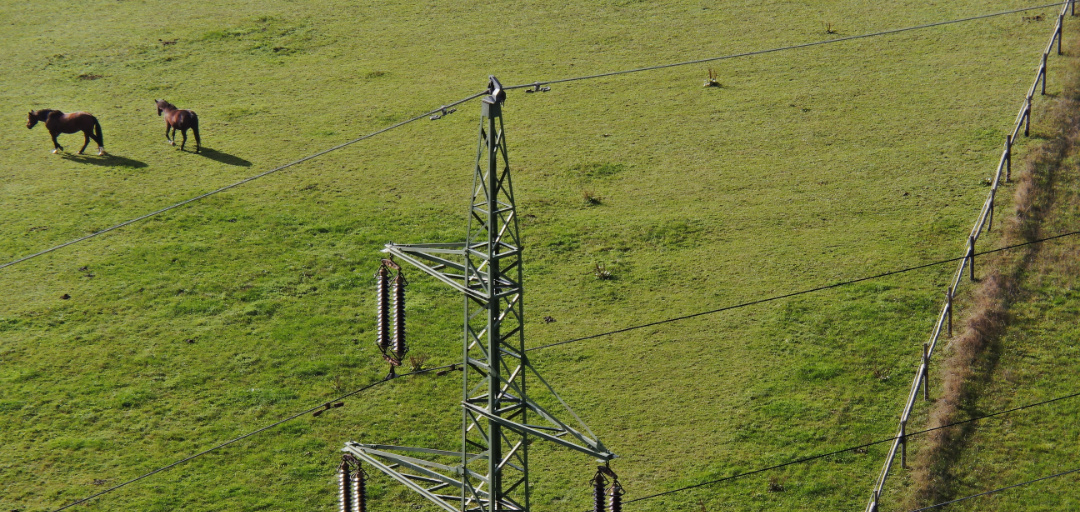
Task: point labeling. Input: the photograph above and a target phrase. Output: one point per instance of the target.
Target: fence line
(984, 223)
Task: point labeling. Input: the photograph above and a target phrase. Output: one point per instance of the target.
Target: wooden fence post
(990, 213)
(1061, 21)
(1042, 72)
(873, 504)
(903, 444)
(926, 371)
(1027, 117)
(1008, 157)
(948, 307)
(971, 255)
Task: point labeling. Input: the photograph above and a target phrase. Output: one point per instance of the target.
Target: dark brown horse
(58, 122)
(176, 119)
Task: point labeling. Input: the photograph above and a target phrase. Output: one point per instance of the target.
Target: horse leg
(86, 141)
(195, 130)
(56, 145)
(167, 138)
(99, 138)
(184, 133)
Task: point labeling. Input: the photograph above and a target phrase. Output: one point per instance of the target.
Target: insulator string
(599, 483)
(383, 294)
(399, 317)
(344, 489)
(615, 493)
(359, 489)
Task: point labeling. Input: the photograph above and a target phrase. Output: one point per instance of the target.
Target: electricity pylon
(499, 420)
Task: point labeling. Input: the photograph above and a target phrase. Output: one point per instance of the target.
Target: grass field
(806, 167)
(1035, 360)
(1021, 460)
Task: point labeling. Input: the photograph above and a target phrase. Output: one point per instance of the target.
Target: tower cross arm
(428, 258)
(526, 429)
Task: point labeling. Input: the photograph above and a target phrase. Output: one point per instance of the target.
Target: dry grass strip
(972, 353)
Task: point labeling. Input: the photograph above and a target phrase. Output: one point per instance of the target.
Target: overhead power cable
(452, 366)
(781, 48)
(797, 461)
(794, 294)
(1063, 473)
(443, 108)
(852, 448)
(245, 436)
(241, 182)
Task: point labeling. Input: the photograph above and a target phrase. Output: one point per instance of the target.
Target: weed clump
(602, 273)
(591, 198)
(416, 362)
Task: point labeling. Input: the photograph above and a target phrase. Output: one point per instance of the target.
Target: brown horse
(58, 122)
(176, 119)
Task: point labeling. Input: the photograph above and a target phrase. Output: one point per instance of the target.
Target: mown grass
(807, 167)
(1034, 361)
(1015, 350)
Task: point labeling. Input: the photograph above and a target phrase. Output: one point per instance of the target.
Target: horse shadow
(107, 160)
(224, 158)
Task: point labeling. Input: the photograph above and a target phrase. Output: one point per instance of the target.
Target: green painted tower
(499, 420)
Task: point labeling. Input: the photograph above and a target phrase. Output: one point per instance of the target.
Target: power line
(851, 448)
(245, 436)
(241, 182)
(797, 461)
(1063, 473)
(782, 48)
(442, 109)
(452, 366)
(794, 294)
(477, 95)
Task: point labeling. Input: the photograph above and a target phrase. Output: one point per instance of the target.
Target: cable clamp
(326, 407)
(443, 112)
(537, 88)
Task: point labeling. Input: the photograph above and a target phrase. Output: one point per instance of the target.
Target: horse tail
(97, 133)
(195, 129)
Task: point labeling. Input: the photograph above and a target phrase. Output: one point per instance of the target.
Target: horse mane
(43, 114)
(165, 104)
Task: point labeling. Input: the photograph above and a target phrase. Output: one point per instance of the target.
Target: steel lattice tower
(492, 474)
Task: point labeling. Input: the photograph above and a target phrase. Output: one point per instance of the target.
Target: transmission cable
(322, 406)
(782, 48)
(1063, 473)
(443, 108)
(241, 182)
(852, 448)
(797, 293)
(797, 461)
(455, 365)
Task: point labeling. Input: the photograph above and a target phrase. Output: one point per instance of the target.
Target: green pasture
(806, 167)
(1029, 370)
(1037, 360)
